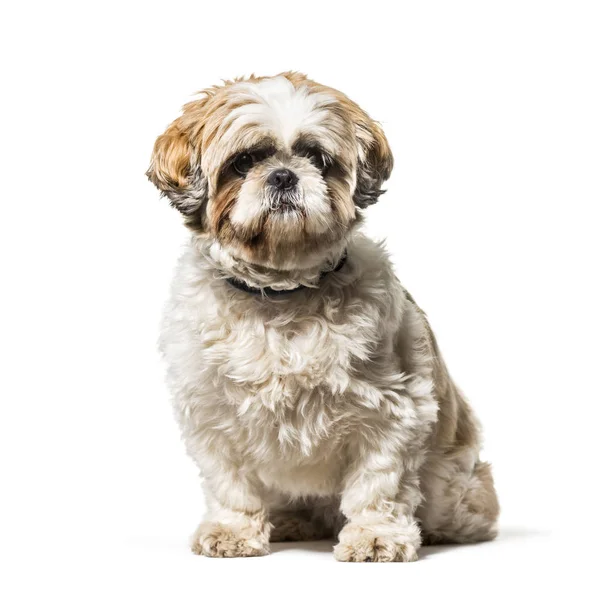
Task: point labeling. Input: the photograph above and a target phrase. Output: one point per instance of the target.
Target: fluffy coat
(327, 411)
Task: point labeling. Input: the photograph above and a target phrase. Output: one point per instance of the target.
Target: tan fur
(221, 207)
(171, 158)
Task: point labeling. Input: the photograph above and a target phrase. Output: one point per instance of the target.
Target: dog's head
(273, 168)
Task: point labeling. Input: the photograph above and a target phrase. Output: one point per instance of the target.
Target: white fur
(281, 109)
(309, 396)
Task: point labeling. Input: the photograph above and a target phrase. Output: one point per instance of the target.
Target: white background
(491, 111)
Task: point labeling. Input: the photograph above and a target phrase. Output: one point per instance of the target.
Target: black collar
(268, 291)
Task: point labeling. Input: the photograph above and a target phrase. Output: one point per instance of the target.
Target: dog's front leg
(237, 522)
(379, 498)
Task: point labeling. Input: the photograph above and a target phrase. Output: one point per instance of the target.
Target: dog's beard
(285, 203)
(304, 210)
(282, 228)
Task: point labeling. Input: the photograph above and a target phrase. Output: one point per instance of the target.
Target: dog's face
(272, 168)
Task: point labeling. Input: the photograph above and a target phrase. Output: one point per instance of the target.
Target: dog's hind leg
(460, 503)
(304, 521)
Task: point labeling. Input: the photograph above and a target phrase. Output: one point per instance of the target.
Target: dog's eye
(317, 158)
(243, 163)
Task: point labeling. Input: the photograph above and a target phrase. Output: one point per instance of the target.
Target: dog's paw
(389, 543)
(222, 541)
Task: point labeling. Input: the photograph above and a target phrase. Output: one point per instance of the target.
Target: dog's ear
(374, 161)
(175, 168)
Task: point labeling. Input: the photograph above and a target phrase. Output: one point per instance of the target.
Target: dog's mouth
(286, 203)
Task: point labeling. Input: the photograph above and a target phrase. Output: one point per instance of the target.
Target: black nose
(282, 179)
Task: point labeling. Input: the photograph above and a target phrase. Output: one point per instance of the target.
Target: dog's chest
(287, 380)
(282, 358)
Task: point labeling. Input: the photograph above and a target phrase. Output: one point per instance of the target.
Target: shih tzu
(307, 382)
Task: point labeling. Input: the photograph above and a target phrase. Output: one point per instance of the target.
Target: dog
(306, 381)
